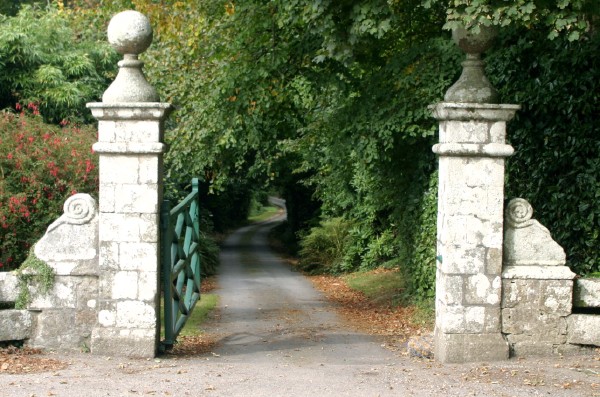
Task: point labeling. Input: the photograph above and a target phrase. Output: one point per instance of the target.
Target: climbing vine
(33, 271)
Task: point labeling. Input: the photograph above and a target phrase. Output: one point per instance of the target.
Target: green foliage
(386, 287)
(556, 166)
(573, 19)
(11, 7)
(265, 214)
(41, 165)
(417, 238)
(328, 100)
(209, 253)
(33, 273)
(44, 60)
(323, 248)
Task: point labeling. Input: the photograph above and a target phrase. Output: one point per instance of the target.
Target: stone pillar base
(461, 348)
(124, 342)
(536, 302)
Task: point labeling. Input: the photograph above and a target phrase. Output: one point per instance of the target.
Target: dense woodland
(325, 103)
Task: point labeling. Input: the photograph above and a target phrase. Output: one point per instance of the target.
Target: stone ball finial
(130, 32)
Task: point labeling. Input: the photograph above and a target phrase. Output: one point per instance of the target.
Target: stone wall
(14, 324)
(538, 290)
(64, 316)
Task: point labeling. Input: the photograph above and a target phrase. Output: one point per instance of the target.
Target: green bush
(417, 239)
(41, 165)
(556, 165)
(323, 248)
(45, 60)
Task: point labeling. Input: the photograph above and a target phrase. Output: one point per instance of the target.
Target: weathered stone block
(463, 260)
(124, 342)
(538, 273)
(108, 198)
(107, 130)
(150, 169)
(462, 348)
(553, 297)
(498, 132)
(124, 285)
(487, 172)
(135, 314)
(481, 289)
(526, 241)
(584, 329)
(107, 318)
(493, 261)
(8, 287)
(118, 169)
(62, 295)
(534, 325)
(473, 131)
(137, 198)
(63, 329)
(109, 255)
(139, 256)
(149, 225)
(462, 319)
(586, 292)
(72, 238)
(492, 317)
(137, 131)
(15, 325)
(148, 286)
(531, 347)
(119, 227)
(449, 289)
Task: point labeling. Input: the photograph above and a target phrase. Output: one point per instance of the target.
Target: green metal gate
(180, 247)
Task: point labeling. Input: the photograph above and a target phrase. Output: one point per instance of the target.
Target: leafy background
(325, 103)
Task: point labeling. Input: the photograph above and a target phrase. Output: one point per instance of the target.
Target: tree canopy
(326, 101)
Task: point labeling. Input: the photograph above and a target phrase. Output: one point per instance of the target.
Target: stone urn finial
(130, 34)
(473, 86)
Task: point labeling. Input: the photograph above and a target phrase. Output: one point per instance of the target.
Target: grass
(192, 326)
(266, 213)
(386, 287)
(378, 286)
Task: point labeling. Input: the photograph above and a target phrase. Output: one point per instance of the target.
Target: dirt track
(279, 337)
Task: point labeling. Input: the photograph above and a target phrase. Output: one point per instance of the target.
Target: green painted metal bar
(180, 227)
(166, 249)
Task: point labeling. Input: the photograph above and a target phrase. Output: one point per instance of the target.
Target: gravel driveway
(279, 337)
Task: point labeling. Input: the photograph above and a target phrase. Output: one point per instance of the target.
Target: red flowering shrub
(41, 165)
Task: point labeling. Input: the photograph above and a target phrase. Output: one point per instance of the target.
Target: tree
(573, 18)
(44, 61)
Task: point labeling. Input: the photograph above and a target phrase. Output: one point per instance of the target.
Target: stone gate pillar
(130, 133)
(471, 153)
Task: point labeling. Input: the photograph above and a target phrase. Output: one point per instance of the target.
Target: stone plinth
(587, 293)
(537, 289)
(471, 153)
(65, 315)
(584, 329)
(536, 301)
(131, 158)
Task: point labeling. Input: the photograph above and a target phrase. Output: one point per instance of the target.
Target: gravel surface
(277, 336)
